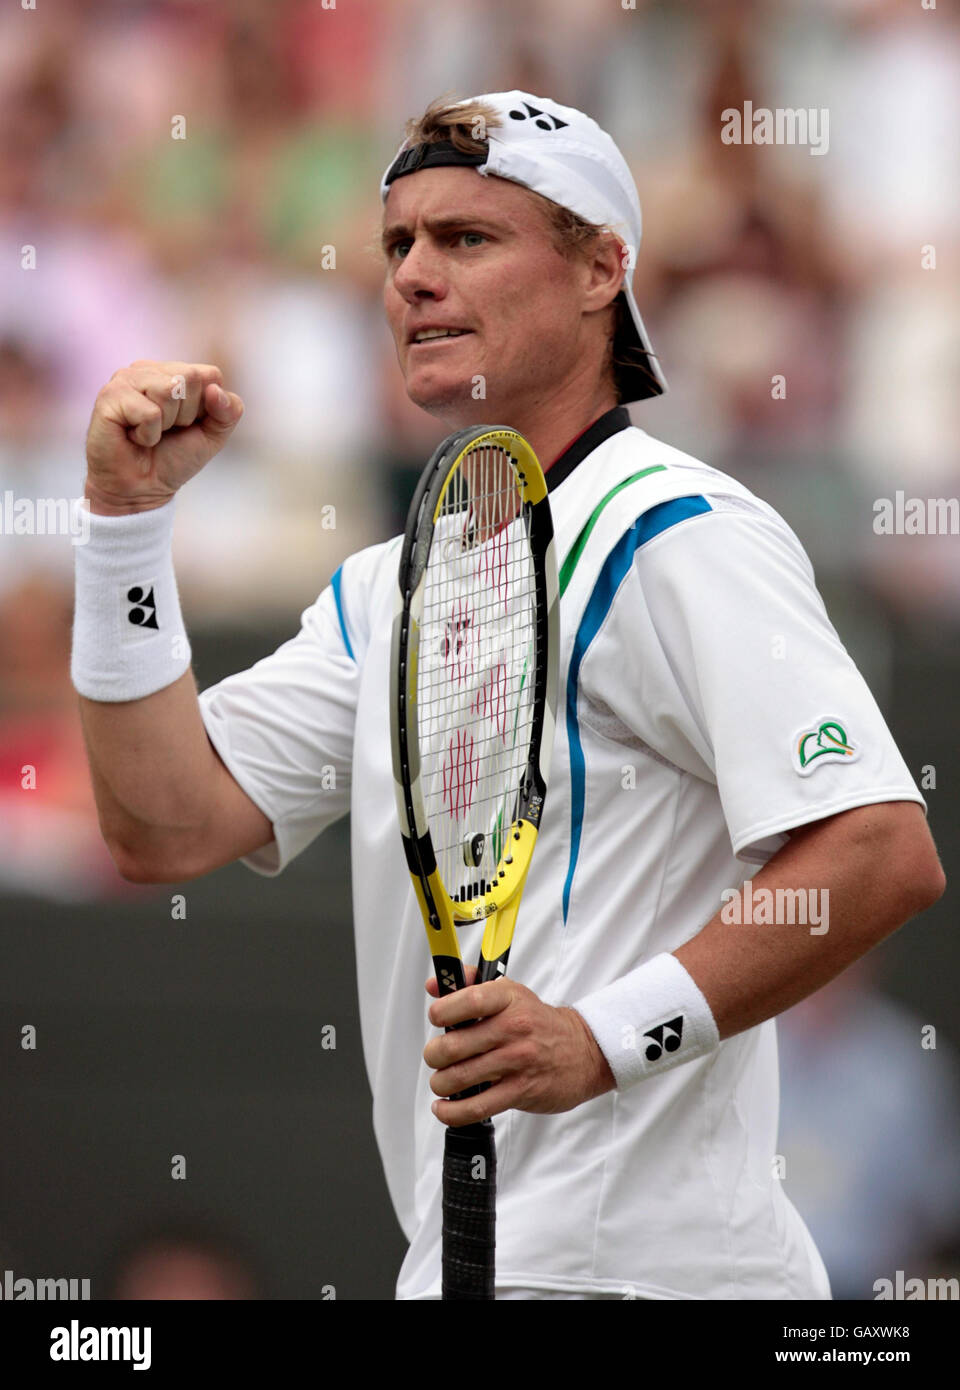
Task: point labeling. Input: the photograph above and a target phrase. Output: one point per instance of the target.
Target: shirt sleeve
(730, 668)
(284, 728)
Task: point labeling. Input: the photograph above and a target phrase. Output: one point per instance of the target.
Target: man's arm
(169, 809)
(880, 866)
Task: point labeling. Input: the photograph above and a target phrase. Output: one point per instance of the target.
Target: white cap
(564, 155)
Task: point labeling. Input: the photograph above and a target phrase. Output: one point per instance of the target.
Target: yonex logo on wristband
(666, 1037)
(142, 610)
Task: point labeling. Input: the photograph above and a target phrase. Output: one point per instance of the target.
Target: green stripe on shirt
(570, 563)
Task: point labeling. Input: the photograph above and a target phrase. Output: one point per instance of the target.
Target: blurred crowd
(756, 260)
(251, 242)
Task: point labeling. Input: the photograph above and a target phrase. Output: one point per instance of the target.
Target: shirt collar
(611, 422)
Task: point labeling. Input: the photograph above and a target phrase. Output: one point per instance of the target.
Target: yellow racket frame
(500, 903)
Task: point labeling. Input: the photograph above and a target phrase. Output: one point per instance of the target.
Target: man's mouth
(437, 335)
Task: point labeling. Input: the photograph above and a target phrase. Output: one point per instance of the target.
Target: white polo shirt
(702, 688)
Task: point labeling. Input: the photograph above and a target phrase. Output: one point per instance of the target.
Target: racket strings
(478, 654)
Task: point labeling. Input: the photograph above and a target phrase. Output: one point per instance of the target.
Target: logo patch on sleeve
(827, 742)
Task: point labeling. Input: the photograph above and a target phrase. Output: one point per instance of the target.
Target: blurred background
(195, 1027)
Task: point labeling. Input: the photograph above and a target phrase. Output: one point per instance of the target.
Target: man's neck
(550, 425)
(552, 431)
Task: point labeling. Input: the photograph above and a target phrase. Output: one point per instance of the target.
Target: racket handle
(469, 1212)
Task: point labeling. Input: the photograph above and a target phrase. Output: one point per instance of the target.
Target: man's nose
(420, 273)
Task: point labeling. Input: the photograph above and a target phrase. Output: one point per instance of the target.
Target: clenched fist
(155, 425)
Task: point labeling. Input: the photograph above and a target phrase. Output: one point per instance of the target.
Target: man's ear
(607, 266)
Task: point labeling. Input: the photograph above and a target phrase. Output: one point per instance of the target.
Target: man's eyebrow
(396, 231)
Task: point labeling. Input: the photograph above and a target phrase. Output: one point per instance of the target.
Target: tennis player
(729, 822)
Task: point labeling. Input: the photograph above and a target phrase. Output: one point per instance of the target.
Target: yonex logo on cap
(542, 120)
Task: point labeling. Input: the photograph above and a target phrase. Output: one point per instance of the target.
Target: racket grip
(469, 1212)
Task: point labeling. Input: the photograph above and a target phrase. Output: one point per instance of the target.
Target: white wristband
(128, 634)
(651, 1020)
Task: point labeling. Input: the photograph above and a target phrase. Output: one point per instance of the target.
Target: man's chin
(444, 396)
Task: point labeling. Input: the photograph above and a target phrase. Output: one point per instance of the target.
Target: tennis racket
(473, 702)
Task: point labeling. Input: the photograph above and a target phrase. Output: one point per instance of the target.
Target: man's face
(476, 254)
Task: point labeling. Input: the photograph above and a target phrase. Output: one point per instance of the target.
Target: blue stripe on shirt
(336, 581)
(615, 568)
